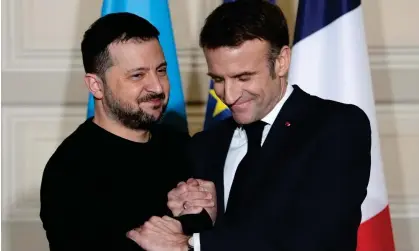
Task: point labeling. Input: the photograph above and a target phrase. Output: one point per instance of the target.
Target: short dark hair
(112, 28)
(234, 23)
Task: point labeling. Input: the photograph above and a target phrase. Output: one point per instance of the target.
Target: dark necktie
(195, 223)
(244, 170)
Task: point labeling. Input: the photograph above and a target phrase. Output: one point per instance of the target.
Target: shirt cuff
(196, 242)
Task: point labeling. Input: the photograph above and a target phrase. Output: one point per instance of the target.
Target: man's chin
(242, 118)
(154, 112)
(156, 115)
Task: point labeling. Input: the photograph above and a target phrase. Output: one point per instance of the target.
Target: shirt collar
(271, 116)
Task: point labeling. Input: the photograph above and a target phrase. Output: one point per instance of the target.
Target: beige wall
(44, 98)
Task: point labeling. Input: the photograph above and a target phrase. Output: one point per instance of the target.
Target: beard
(130, 116)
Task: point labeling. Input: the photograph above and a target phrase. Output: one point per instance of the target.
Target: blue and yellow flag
(216, 109)
(156, 12)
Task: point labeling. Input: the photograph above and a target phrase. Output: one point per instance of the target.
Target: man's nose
(154, 84)
(231, 92)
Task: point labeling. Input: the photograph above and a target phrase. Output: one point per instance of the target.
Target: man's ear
(282, 62)
(94, 84)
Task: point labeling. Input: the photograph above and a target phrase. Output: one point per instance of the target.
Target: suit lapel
(218, 157)
(285, 131)
(285, 136)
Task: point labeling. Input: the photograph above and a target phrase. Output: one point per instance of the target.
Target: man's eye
(137, 75)
(162, 71)
(244, 79)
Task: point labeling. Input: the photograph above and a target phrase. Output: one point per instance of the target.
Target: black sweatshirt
(98, 186)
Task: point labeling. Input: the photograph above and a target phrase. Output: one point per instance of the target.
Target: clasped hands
(165, 233)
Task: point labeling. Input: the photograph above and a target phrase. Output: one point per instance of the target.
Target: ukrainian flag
(216, 109)
(156, 12)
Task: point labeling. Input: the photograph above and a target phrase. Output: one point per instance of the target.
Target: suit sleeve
(330, 212)
(72, 216)
(194, 223)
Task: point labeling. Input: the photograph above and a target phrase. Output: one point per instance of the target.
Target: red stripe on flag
(376, 234)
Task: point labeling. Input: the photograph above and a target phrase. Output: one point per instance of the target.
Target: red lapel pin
(287, 124)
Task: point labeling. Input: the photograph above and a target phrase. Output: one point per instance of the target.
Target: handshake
(194, 206)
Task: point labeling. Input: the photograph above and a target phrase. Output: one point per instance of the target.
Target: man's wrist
(184, 248)
(186, 244)
(190, 243)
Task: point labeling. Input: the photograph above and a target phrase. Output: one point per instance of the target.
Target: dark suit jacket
(306, 191)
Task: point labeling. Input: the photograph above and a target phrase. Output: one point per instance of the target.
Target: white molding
(191, 59)
(18, 58)
(398, 119)
(394, 57)
(25, 126)
(67, 87)
(19, 136)
(402, 207)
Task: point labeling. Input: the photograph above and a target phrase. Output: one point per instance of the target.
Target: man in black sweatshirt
(91, 192)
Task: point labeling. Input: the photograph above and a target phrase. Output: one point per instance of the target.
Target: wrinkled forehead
(249, 56)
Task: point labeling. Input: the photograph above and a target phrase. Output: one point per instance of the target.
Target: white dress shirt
(238, 149)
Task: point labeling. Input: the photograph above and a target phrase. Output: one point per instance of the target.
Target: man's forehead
(235, 64)
(249, 46)
(237, 57)
(138, 54)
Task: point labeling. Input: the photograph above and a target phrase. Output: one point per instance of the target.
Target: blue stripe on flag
(311, 16)
(90, 106)
(212, 116)
(156, 12)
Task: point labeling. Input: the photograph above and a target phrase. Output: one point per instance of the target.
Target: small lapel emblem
(287, 124)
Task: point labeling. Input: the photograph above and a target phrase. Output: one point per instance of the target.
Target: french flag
(330, 60)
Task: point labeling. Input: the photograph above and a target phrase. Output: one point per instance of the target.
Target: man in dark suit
(291, 170)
